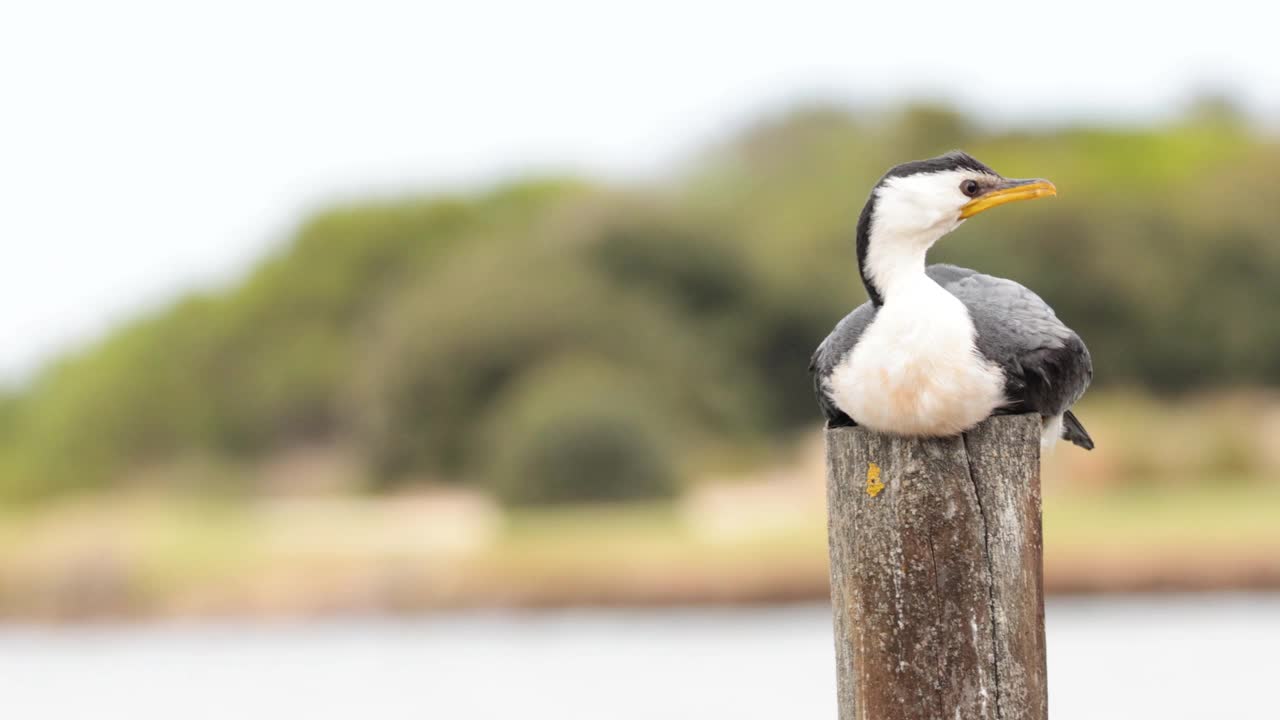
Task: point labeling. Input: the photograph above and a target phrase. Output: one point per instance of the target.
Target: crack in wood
(991, 577)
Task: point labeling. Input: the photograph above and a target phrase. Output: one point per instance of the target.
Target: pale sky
(146, 150)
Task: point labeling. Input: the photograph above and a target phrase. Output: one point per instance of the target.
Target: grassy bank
(133, 557)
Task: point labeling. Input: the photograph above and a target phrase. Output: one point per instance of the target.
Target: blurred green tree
(406, 329)
(577, 429)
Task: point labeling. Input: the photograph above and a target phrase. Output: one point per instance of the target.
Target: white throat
(895, 261)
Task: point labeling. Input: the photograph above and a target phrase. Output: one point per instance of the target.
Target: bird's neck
(893, 263)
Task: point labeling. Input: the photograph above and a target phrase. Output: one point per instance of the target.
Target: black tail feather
(1072, 430)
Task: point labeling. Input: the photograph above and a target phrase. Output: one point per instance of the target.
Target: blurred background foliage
(560, 339)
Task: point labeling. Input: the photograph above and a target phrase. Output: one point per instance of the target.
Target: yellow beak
(1006, 192)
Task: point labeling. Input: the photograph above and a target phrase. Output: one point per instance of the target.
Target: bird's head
(916, 203)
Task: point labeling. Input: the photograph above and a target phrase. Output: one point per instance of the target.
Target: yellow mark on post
(874, 486)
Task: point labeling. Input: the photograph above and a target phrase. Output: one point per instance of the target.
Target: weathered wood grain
(936, 581)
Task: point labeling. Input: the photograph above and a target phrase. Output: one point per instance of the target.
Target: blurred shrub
(445, 352)
(676, 261)
(11, 477)
(577, 431)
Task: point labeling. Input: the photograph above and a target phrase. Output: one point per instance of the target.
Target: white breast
(915, 370)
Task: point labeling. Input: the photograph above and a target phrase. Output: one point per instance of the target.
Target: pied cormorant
(938, 349)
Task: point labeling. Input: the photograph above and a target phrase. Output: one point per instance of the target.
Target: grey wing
(829, 355)
(1046, 365)
(944, 274)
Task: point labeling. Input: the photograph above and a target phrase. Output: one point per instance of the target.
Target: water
(1123, 659)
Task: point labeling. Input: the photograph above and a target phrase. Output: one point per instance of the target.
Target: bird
(937, 349)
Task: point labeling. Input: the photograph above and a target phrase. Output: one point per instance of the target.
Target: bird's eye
(970, 187)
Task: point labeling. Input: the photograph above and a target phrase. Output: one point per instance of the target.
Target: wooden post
(936, 573)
